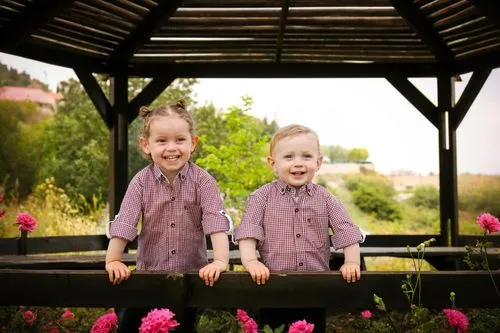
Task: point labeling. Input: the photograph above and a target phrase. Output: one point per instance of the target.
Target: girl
(179, 204)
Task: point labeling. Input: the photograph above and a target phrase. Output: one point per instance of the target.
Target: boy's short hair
(290, 131)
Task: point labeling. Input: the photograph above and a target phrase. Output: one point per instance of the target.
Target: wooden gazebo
(164, 40)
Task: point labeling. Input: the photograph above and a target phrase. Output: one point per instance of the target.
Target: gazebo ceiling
(263, 38)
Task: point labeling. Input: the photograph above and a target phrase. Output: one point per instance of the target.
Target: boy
(288, 221)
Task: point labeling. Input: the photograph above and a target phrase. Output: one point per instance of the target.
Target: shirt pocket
(317, 230)
(193, 215)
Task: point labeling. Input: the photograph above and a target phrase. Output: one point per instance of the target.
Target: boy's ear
(320, 161)
(271, 162)
(144, 145)
(194, 142)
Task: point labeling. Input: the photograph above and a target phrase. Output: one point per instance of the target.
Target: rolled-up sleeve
(253, 217)
(345, 232)
(213, 216)
(125, 223)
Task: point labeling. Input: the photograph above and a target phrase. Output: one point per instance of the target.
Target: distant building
(346, 168)
(46, 101)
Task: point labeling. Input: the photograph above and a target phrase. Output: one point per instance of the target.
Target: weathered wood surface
(235, 289)
(96, 261)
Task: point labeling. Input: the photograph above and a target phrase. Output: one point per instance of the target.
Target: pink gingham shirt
(175, 218)
(291, 226)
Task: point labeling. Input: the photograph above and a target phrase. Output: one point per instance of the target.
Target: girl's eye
(181, 139)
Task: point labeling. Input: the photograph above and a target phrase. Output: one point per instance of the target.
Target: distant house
(346, 167)
(46, 101)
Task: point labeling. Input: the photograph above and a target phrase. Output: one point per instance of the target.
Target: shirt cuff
(249, 231)
(122, 230)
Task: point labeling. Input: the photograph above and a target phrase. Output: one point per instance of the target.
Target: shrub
(373, 201)
(425, 196)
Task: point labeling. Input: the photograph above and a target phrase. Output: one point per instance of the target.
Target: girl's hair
(178, 109)
(290, 131)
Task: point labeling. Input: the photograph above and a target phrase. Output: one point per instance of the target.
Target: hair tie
(144, 111)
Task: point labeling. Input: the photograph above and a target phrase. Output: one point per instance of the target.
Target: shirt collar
(160, 177)
(283, 188)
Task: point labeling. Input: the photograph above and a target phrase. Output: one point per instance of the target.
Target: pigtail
(144, 112)
(181, 104)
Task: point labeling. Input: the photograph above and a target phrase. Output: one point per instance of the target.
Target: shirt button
(297, 235)
(173, 225)
(173, 252)
(173, 198)
(296, 210)
(183, 177)
(288, 189)
(309, 220)
(301, 264)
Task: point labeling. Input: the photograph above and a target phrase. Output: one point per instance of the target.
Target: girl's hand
(117, 271)
(258, 271)
(211, 272)
(350, 272)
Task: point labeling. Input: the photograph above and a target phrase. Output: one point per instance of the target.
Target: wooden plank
(235, 289)
(148, 94)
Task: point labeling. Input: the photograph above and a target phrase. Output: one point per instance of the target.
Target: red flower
(26, 222)
(367, 314)
(457, 319)
(301, 326)
(29, 317)
(488, 222)
(158, 321)
(249, 325)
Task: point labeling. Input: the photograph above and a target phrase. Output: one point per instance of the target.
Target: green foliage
(238, 161)
(425, 196)
(212, 321)
(22, 135)
(357, 155)
(479, 194)
(338, 153)
(11, 77)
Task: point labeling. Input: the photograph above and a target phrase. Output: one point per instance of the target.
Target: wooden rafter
(35, 15)
(470, 93)
(96, 94)
(490, 9)
(148, 94)
(281, 35)
(144, 30)
(424, 29)
(415, 97)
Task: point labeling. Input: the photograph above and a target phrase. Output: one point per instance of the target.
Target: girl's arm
(211, 272)
(116, 269)
(258, 271)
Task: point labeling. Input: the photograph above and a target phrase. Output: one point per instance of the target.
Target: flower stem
(489, 271)
(23, 243)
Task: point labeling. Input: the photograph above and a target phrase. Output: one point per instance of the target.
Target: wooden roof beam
(490, 9)
(144, 30)
(470, 93)
(148, 94)
(35, 15)
(424, 29)
(283, 19)
(415, 97)
(95, 93)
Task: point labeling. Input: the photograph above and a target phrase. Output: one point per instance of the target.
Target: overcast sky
(366, 113)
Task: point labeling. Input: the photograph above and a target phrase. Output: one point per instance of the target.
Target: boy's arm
(116, 269)
(220, 245)
(350, 269)
(258, 271)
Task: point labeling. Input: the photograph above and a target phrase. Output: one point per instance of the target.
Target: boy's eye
(307, 156)
(288, 157)
(181, 139)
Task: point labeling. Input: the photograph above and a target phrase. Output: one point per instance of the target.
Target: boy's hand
(258, 271)
(211, 272)
(117, 271)
(350, 272)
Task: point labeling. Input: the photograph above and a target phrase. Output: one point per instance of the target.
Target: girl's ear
(194, 142)
(144, 145)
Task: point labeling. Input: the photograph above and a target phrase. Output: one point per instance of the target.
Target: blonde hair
(290, 131)
(178, 109)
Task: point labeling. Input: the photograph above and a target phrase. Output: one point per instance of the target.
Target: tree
(358, 155)
(238, 163)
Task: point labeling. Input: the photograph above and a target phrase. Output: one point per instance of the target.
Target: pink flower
(53, 330)
(67, 314)
(457, 319)
(242, 315)
(158, 321)
(105, 323)
(301, 326)
(29, 317)
(26, 222)
(488, 222)
(366, 314)
(249, 325)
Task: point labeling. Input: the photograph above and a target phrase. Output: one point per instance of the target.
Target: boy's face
(170, 144)
(296, 159)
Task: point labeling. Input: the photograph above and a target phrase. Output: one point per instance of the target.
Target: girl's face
(296, 159)
(170, 144)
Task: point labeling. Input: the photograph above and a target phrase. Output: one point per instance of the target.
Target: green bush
(373, 201)
(425, 196)
(479, 194)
